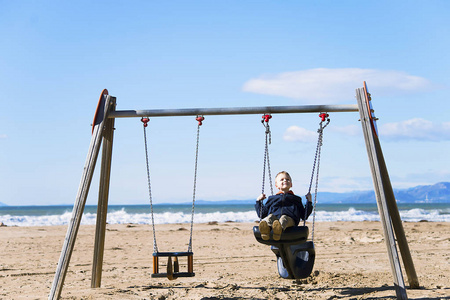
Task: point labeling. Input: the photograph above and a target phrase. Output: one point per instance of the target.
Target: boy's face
(283, 183)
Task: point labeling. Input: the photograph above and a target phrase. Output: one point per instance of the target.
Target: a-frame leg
(381, 188)
(398, 226)
(78, 208)
(102, 207)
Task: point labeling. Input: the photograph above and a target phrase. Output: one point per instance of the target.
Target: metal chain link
(269, 172)
(155, 247)
(316, 172)
(195, 186)
(320, 142)
(268, 140)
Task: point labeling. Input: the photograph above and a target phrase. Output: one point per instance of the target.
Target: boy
(282, 210)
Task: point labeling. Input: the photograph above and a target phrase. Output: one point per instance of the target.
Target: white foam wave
(123, 217)
(418, 214)
(349, 215)
(48, 220)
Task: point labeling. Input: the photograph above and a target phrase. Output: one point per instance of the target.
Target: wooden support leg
(102, 207)
(381, 189)
(80, 201)
(398, 226)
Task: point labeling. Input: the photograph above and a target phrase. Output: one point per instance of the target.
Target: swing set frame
(102, 132)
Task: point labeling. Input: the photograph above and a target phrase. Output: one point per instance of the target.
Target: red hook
(145, 121)
(324, 116)
(267, 118)
(200, 119)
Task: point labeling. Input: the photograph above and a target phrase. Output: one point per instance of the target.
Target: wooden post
(395, 215)
(176, 265)
(381, 189)
(83, 190)
(190, 263)
(102, 207)
(155, 264)
(398, 226)
(169, 268)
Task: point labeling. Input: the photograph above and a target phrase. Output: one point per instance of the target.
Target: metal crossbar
(232, 111)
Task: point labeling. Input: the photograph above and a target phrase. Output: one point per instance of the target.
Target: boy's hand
(261, 197)
(308, 197)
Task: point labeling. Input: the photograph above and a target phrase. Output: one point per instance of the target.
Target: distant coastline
(436, 193)
(210, 212)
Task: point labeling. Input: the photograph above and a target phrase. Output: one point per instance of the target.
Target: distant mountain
(3, 204)
(436, 193)
(439, 192)
(206, 202)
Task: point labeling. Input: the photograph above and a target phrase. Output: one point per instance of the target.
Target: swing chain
(316, 187)
(268, 141)
(319, 144)
(145, 123)
(324, 118)
(199, 119)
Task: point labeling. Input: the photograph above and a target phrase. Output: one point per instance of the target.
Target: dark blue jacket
(284, 204)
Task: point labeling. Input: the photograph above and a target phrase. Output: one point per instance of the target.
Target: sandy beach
(351, 263)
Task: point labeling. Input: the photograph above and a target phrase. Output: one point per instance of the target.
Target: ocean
(181, 213)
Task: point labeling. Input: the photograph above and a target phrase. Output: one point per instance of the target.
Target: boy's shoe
(264, 229)
(277, 230)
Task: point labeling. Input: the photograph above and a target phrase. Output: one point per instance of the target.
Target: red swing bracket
(266, 118)
(145, 121)
(200, 119)
(323, 116)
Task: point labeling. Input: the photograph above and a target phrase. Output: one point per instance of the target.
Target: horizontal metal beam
(232, 111)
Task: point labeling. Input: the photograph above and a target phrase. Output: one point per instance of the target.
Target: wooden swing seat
(173, 269)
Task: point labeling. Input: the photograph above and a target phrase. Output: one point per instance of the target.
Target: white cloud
(335, 85)
(343, 184)
(299, 134)
(416, 129)
(3, 136)
(413, 129)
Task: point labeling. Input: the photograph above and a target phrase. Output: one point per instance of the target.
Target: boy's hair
(285, 173)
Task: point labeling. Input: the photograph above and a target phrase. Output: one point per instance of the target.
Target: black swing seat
(173, 271)
(295, 255)
(292, 235)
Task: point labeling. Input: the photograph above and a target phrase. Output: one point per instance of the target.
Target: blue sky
(57, 56)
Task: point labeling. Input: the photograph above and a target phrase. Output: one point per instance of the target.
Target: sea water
(204, 213)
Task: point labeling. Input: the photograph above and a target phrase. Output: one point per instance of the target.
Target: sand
(351, 263)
